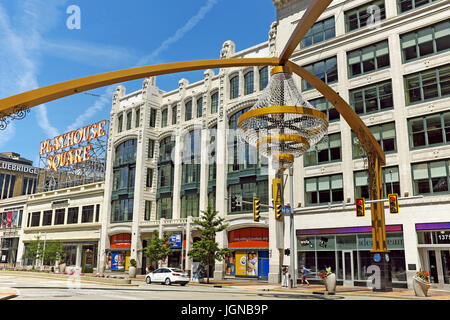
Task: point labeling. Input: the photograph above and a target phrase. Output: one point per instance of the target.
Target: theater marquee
(72, 147)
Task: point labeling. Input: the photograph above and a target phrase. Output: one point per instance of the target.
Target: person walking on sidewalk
(304, 272)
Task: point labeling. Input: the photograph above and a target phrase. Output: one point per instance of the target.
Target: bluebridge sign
(18, 167)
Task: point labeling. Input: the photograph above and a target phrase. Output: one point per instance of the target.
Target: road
(30, 288)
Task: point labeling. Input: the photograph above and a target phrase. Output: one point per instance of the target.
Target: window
(129, 120)
(149, 178)
(364, 15)
(164, 115)
(248, 190)
(189, 205)
(428, 84)
(326, 107)
(59, 216)
(125, 152)
(391, 182)
(325, 151)
(368, 59)
(124, 178)
(8, 182)
(122, 210)
(431, 177)
(406, 5)
(188, 111)
(152, 117)
(263, 78)
(199, 107)
(87, 214)
(320, 31)
(234, 87)
(119, 124)
(165, 149)
(28, 186)
(214, 102)
(148, 210)
(164, 208)
(212, 200)
(373, 98)
(383, 133)
(97, 212)
(47, 219)
(165, 174)
(429, 130)
(248, 83)
(72, 215)
(151, 148)
(426, 41)
(326, 70)
(138, 117)
(322, 190)
(35, 219)
(174, 115)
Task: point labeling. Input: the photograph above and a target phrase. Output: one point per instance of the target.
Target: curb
(104, 281)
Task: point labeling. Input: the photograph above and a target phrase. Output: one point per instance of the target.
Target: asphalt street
(30, 288)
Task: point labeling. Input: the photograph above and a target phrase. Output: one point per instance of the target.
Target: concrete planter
(420, 287)
(330, 282)
(62, 267)
(132, 272)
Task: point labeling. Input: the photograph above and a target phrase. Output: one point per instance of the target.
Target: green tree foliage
(52, 252)
(206, 250)
(157, 249)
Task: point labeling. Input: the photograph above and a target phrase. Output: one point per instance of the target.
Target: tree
(52, 253)
(157, 249)
(206, 250)
(33, 250)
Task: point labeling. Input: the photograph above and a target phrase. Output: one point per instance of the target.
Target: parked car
(167, 276)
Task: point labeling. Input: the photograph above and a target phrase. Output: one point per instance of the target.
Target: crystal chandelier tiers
(282, 124)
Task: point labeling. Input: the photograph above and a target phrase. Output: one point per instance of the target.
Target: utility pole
(293, 283)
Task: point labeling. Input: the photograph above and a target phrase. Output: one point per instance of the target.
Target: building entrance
(347, 268)
(437, 262)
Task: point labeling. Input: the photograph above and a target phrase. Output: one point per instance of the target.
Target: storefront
(118, 256)
(251, 255)
(434, 251)
(347, 252)
(10, 222)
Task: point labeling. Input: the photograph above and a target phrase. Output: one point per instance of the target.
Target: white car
(167, 276)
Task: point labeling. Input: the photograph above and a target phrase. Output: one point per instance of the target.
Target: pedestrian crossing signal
(393, 202)
(278, 214)
(256, 209)
(360, 207)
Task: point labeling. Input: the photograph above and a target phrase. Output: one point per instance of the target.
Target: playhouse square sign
(68, 140)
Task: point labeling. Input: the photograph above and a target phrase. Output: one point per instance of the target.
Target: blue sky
(37, 49)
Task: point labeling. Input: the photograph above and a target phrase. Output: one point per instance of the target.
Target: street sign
(286, 210)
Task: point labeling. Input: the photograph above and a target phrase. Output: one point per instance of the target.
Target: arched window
(263, 77)
(248, 83)
(234, 87)
(124, 172)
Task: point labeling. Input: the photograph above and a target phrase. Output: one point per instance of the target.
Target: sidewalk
(397, 293)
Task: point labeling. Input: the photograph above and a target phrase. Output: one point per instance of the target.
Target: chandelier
(282, 124)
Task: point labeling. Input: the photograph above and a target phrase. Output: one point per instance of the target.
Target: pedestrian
(284, 282)
(304, 272)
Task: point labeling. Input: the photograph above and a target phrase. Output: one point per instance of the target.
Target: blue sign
(286, 210)
(175, 239)
(377, 257)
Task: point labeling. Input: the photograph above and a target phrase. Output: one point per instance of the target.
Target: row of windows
(365, 15)
(58, 216)
(7, 183)
(428, 178)
(129, 119)
(416, 44)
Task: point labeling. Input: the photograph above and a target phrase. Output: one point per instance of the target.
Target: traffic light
(233, 203)
(287, 252)
(360, 207)
(256, 209)
(393, 202)
(278, 214)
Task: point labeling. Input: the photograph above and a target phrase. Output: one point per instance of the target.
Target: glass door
(347, 267)
(432, 266)
(438, 264)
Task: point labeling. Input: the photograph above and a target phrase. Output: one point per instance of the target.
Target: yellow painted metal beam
(312, 13)
(56, 91)
(365, 136)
